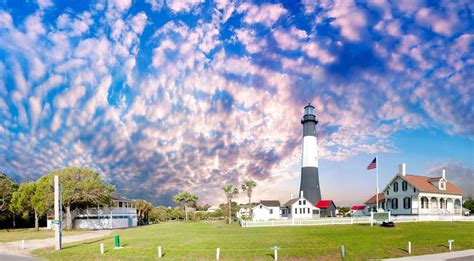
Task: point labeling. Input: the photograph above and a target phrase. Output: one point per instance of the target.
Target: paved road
(465, 255)
(13, 250)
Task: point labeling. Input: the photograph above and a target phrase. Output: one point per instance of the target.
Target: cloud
(266, 14)
(289, 40)
(182, 5)
(154, 104)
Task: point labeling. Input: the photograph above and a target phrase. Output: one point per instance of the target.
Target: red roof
(358, 208)
(374, 198)
(324, 203)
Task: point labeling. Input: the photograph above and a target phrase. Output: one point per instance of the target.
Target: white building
(121, 214)
(420, 195)
(299, 208)
(266, 210)
(358, 211)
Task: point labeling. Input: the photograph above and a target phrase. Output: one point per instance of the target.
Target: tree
(469, 204)
(230, 191)
(159, 214)
(187, 199)
(80, 187)
(7, 188)
(248, 186)
(143, 209)
(22, 202)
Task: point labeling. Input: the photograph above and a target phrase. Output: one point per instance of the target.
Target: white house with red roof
(327, 208)
(358, 211)
(408, 194)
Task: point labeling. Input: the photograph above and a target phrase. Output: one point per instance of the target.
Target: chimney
(301, 194)
(443, 173)
(291, 195)
(402, 169)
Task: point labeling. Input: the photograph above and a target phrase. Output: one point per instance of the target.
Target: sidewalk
(9, 250)
(464, 255)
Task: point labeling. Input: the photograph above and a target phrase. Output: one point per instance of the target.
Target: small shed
(357, 211)
(327, 208)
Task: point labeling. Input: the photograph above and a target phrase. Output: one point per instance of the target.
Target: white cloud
(182, 5)
(43, 4)
(445, 25)
(349, 18)
(266, 14)
(35, 112)
(70, 97)
(289, 39)
(313, 50)
(249, 39)
(156, 5)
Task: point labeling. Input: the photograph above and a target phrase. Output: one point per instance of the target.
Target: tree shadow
(90, 242)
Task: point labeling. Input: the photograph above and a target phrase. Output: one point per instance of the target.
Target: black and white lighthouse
(309, 157)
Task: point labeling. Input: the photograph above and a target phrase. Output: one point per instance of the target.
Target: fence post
(343, 253)
(409, 247)
(450, 242)
(371, 218)
(275, 253)
(101, 248)
(22, 244)
(159, 252)
(352, 221)
(389, 216)
(218, 250)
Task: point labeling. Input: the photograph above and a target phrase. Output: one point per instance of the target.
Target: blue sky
(163, 96)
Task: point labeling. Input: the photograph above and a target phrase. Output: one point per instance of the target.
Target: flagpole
(377, 180)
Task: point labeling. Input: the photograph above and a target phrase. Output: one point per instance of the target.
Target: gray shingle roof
(290, 202)
(270, 203)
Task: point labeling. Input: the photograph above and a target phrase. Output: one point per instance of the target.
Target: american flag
(373, 164)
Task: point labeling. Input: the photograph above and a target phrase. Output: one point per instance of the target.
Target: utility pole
(57, 214)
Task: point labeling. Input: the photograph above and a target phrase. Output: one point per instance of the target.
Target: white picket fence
(306, 222)
(425, 218)
(349, 221)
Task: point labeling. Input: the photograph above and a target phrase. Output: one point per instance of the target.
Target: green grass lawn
(29, 233)
(198, 241)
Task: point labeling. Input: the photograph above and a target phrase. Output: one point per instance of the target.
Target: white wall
(400, 195)
(261, 212)
(104, 223)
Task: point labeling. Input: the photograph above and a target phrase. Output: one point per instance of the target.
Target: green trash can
(117, 241)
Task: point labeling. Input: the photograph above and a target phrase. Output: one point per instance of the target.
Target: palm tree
(189, 199)
(248, 186)
(230, 191)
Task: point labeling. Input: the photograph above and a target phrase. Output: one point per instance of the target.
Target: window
(315, 211)
(395, 203)
(442, 185)
(304, 202)
(299, 202)
(120, 204)
(404, 186)
(407, 203)
(271, 211)
(388, 192)
(296, 211)
(304, 210)
(309, 211)
(414, 189)
(395, 187)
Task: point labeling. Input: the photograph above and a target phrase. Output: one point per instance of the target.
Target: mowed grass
(9, 235)
(198, 241)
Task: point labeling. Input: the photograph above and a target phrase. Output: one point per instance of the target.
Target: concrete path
(14, 251)
(466, 255)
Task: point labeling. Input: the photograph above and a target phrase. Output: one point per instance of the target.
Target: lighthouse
(309, 185)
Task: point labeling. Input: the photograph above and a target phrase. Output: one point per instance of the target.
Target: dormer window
(442, 185)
